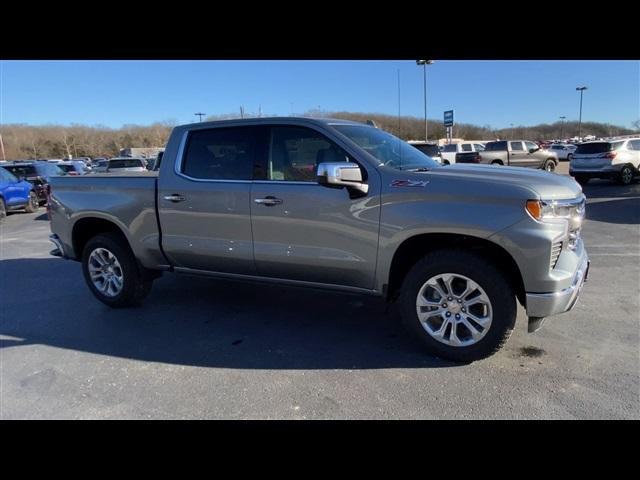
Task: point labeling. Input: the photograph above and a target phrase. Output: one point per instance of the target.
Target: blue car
(16, 194)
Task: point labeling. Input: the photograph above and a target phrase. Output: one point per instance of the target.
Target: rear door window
(466, 147)
(516, 146)
(220, 154)
(450, 148)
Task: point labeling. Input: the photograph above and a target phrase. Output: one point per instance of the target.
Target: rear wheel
(33, 204)
(112, 272)
(569, 156)
(496, 162)
(458, 305)
(626, 175)
(549, 166)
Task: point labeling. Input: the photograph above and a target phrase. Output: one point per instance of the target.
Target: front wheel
(458, 305)
(33, 204)
(112, 272)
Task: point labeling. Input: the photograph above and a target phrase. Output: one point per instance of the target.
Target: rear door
(305, 231)
(204, 200)
(517, 154)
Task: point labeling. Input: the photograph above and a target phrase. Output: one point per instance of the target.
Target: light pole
(424, 63)
(199, 114)
(581, 89)
(511, 134)
(562, 126)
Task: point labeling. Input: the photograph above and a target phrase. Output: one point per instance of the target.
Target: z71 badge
(409, 183)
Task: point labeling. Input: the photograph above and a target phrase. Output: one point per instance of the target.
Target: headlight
(570, 212)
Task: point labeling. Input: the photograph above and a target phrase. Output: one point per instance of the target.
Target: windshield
(7, 175)
(391, 151)
(67, 168)
(49, 170)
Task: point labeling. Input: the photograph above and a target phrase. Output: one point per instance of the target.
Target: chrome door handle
(268, 201)
(174, 198)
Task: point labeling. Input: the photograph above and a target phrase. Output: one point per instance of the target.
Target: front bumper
(541, 305)
(59, 250)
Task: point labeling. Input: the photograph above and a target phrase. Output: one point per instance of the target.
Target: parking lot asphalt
(201, 348)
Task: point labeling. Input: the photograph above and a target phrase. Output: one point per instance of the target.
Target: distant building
(144, 152)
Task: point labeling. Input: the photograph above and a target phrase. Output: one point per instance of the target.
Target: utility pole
(241, 111)
(424, 63)
(2, 147)
(562, 127)
(511, 134)
(581, 89)
(200, 114)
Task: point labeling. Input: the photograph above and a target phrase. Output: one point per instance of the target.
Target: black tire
(3, 210)
(500, 293)
(497, 162)
(33, 204)
(136, 282)
(549, 166)
(582, 179)
(569, 156)
(626, 175)
(446, 162)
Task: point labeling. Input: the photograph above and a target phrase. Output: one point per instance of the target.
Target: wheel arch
(85, 228)
(417, 246)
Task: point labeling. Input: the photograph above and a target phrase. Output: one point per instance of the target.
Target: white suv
(449, 151)
(613, 159)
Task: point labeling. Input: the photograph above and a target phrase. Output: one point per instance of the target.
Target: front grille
(555, 254)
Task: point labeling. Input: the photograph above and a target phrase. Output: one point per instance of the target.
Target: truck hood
(549, 186)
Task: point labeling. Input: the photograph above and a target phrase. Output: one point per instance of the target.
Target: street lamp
(581, 89)
(424, 63)
(562, 126)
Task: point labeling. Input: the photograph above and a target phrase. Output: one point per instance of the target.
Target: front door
(305, 231)
(204, 203)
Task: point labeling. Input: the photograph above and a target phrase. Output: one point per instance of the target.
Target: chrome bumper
(541, 305)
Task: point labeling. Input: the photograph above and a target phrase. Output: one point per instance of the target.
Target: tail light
(477, 158)
(610, 155)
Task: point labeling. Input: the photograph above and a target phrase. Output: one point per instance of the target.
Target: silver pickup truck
(515, 153)
(339, 205)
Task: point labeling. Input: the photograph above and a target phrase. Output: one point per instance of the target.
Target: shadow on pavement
(598, 188)
(203, 322)
(44, 216)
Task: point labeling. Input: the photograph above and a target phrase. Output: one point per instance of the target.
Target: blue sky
(495, 93)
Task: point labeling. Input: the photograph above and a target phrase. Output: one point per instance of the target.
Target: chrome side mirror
(342, 174)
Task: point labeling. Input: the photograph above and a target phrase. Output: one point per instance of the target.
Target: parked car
(515, 153)
(564, 151)
(430, 149)
(16, 194)
(120, 165)
(454, 247)
(74, 167)
(615, 160)
(37, 173)
(449, 151)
